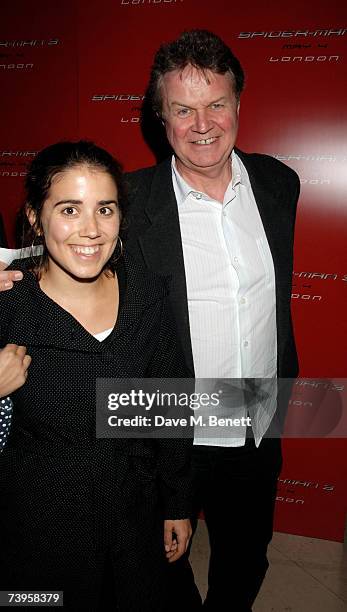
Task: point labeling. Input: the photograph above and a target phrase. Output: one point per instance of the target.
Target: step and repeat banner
(81, 71)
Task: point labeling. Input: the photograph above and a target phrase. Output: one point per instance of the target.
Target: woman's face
(80, 221)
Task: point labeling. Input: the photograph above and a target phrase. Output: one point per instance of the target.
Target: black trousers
(236, 489)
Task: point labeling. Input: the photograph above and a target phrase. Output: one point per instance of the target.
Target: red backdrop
(81, 71)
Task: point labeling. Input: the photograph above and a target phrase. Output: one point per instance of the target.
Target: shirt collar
(183, 189)
(237, 170)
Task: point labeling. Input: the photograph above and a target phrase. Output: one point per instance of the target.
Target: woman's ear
(31, 216)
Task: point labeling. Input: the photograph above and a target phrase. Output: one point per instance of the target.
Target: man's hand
(7, 278)
(14, 363)
(176, 546)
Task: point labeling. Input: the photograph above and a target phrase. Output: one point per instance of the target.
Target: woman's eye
(69, 211)
(105, 211)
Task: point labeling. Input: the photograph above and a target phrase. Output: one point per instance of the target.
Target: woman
(80, 514)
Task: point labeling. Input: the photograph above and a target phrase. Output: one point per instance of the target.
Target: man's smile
(205, 141)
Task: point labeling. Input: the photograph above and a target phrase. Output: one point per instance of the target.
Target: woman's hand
(176, 546)
(14, 363)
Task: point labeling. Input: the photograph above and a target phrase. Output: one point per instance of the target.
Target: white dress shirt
(231, 290)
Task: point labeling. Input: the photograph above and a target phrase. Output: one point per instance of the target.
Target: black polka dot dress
(81, 514)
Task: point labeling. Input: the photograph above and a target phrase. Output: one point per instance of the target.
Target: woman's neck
(57, 282)
(92, 302)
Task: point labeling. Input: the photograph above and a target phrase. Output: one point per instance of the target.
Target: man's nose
(202, 122)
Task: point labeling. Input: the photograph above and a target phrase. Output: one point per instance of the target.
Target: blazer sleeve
(173, 454)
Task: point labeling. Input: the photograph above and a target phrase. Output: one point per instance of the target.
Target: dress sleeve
(6, 405)
(173, 454)
(6, 409)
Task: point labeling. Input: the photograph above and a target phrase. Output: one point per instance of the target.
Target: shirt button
(224, 213)
(246, 343)
(198, 196)
(236, 260)
(243, 300)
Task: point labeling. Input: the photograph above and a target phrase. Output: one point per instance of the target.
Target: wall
(80, 70)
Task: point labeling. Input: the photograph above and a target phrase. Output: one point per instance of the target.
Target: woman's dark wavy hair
(202, 50)
(46, 165)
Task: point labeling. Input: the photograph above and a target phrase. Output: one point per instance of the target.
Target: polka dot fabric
(71, 505)
(6, 409)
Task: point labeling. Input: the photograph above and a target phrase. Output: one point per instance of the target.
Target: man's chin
(204, 159)
(199, 164)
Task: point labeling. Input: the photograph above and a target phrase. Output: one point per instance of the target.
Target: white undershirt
(230, 287)
(103, 335)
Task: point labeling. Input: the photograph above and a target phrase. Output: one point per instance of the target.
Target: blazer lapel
(271, 202)
(266, 202)
(161, 247)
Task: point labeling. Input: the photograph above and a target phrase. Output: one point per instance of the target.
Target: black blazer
(154, 238)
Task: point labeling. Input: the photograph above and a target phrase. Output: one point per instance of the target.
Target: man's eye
(69, 211)
(217, 105)
(183, 112)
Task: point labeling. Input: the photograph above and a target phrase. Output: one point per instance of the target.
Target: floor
(305, 574)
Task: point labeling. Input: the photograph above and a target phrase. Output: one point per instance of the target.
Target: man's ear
(160, 117)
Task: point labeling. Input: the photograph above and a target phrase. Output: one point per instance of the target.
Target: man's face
(201, 113)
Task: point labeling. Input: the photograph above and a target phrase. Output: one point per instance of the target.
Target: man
(220, 222)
